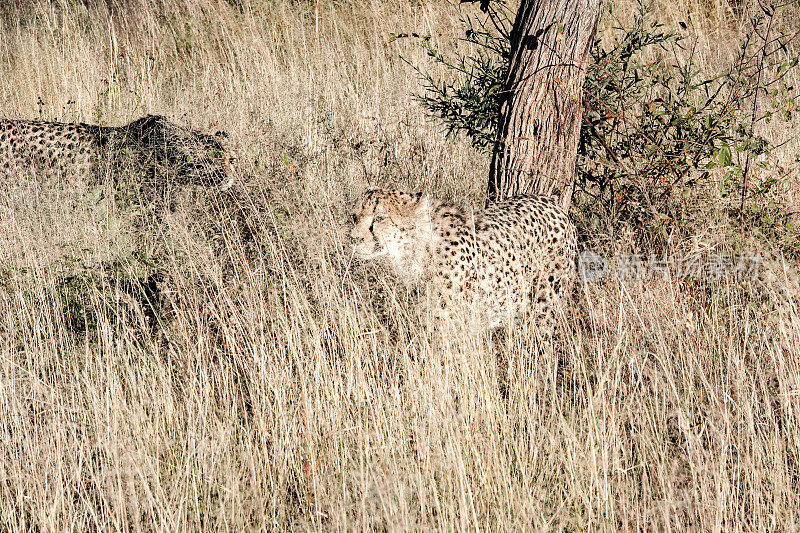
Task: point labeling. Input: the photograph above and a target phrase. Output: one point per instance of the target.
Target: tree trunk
(540, 118)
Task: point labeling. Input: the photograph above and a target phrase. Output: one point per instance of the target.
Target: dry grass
(280, 385)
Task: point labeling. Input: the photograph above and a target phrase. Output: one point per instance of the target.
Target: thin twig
(745, 173)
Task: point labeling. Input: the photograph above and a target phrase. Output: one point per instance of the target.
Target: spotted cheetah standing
(86, 150)
(515, 257)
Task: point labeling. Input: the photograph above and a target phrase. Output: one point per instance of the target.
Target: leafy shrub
(664, 145)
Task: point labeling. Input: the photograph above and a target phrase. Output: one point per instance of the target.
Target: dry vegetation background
(222, 363)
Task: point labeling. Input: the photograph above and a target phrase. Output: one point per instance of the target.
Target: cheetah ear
(420, 205)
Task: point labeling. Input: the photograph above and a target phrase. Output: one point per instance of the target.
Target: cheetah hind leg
(542, 317)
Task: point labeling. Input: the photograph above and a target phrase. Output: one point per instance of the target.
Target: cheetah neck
(445, 219)
(414, 258)
(413, 255)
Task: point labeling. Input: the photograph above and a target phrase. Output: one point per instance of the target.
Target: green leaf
(724, 156)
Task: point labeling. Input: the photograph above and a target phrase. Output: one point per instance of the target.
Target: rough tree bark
(540, 118)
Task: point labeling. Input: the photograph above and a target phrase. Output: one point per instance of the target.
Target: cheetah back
(47, 146)
(519, 256)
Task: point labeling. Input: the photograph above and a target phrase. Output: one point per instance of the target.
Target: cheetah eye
(354, 219)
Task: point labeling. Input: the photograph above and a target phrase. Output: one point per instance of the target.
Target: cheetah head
(394, 225)
(197, 157)
(201, 158)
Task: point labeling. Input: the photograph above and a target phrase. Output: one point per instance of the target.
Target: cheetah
(87, 150)
(515, 257)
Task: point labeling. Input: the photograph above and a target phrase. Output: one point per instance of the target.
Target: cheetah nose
(229, 173)
(227, 185)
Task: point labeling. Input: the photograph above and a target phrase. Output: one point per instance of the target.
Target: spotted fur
(61, 148)
(516, 257)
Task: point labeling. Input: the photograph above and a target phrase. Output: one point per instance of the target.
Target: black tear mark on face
(376, 218)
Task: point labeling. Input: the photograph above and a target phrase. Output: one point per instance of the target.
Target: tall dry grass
(280, 385)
